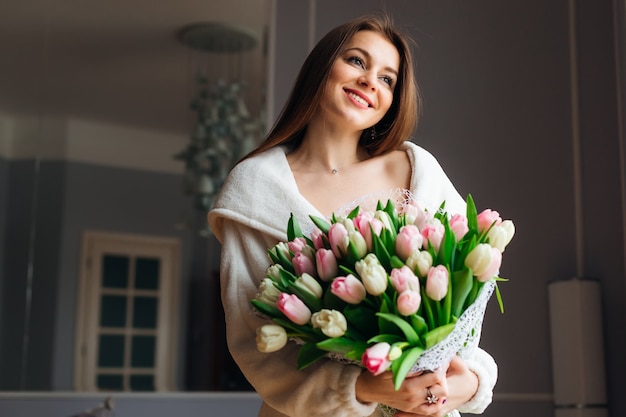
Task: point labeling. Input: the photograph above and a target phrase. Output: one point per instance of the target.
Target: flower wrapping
(400, 290)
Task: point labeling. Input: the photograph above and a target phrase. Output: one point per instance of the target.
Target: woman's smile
(358, 99)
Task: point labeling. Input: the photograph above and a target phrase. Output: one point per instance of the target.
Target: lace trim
(400, 196)
(464, 337)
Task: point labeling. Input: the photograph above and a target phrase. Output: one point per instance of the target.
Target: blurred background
(119, 120)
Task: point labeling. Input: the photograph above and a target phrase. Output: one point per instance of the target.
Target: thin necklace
(335, 170)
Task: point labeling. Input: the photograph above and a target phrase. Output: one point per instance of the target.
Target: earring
(373, 133)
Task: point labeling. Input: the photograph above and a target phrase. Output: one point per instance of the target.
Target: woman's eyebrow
(369, 56)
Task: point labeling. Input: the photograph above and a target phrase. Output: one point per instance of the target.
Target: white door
(127, 311)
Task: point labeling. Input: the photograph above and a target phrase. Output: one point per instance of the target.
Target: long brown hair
(304, 100)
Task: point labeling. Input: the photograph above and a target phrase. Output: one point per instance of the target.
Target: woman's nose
(367, 80)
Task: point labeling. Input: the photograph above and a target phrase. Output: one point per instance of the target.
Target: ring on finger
(430, 397)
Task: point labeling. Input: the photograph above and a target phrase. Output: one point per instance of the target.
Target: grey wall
(17, 227)
(71, 198)
(4, 182)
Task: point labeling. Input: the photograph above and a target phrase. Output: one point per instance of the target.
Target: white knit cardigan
(250, 216)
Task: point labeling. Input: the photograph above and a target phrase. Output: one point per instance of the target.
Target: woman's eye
(387, 80)
(357, 61)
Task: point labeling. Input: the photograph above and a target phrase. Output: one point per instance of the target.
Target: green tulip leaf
(462, 282)
(354, 213)
(305, 332)
(448, 245)
(285, 262)
(353, 253)
(287, 277)
(393, 213)
(385, 326)
(380, 249)
(308, 298)
(267, 309)
(273, 257)
(419, 324)
(321, 223)
(427, 308)
(471, 214)
(347, 270)
(361, 319)
(336, 344)
(309, 354)
(388, 338)
(356, 354)
(293, 228)
(396, 262)
(405, 363)
(389, 239)
(498, 295)
(409, 332)
(331, 301)
(437, 335)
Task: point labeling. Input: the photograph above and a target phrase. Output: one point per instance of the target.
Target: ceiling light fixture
(224, 130)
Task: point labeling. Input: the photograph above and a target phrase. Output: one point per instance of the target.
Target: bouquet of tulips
(401, 290)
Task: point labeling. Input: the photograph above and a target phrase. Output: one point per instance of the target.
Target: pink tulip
(458, 225)
(297, 245)
(350, 289)
(365, 223)
(404, 279)
(494, 266)
(376, 358)
(303, 264)
(437, 282)
(292, 307)
(415, 214)
(338, 238)
(326, 264)
(486, 218)
(317, 237)
(408, 302)
(433, 233)
(409, 240)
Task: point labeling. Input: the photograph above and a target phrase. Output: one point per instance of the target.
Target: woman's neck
(324, 150)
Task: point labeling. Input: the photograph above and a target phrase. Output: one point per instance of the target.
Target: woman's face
(360, 86)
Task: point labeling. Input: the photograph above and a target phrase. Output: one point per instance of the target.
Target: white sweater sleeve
(323, 389)
(483, 365)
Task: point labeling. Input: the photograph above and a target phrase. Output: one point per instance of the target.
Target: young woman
(341, 141)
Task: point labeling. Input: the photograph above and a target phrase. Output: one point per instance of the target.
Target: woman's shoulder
(416, 151)
(260, 167)
(268, 157)
(423, 162)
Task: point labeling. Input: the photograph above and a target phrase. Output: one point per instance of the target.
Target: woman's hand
(453, 387)
(410, 398)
